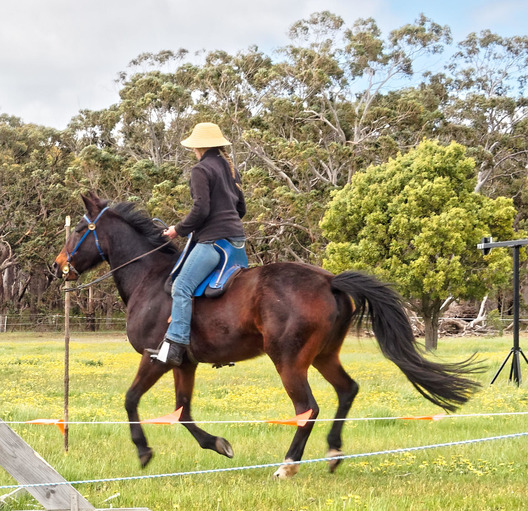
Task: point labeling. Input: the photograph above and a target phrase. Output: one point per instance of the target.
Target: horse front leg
(295, 382)
(148, 374)
(184, 377)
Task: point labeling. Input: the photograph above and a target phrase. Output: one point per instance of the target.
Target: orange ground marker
(49, 422)
(425, 418)
(298, 420)
(171, 418)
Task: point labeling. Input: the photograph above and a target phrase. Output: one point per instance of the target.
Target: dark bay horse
(296, 314)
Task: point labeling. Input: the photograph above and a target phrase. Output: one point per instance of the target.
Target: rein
(111, 272)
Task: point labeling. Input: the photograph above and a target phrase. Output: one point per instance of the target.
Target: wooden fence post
(66, 350)
(27, 467)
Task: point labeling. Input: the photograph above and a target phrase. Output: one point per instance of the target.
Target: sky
(58, 57)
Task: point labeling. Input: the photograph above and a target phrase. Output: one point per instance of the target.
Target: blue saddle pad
(232, 259)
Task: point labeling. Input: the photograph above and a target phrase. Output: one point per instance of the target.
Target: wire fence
(54, 322)
(269, 465)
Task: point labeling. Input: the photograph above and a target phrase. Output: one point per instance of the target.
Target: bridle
(90, 229)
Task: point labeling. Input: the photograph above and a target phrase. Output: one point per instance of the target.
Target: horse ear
(93, 203)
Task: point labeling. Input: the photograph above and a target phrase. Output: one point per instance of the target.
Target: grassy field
(483, 476)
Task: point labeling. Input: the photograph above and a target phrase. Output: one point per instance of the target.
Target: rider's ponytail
(228, 159)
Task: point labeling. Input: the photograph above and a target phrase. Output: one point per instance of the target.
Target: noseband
(91, 228)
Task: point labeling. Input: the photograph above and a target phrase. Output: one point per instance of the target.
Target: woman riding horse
(218, 206)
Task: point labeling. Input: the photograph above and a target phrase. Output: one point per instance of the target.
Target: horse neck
(127, 244)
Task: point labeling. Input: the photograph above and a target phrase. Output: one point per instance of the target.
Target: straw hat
(205, 134)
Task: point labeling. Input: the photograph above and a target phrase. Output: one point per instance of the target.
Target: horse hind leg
(346, 388)
(296, 384)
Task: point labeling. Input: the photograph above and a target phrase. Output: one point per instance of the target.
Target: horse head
(84, 248)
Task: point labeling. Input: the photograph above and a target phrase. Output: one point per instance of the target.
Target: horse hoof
(286, 471)
(333, 464)
(145, 458)
(224, 447)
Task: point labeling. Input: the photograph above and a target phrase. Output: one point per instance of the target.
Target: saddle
(233, 259)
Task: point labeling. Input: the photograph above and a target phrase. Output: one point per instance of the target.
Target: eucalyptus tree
(96, 128)
(155, 107)
(329, 112)
(487, 109)
(33, 198)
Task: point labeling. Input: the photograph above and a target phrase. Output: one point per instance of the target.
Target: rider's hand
(170, 232)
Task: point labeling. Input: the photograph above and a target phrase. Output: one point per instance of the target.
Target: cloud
(60, 56)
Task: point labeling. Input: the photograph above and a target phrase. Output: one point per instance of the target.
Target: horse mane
(143, 224)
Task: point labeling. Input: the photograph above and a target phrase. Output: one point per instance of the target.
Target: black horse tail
(445, 385)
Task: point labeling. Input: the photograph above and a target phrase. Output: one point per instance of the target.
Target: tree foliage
(416, 221)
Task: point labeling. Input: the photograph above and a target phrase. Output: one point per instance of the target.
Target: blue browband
(91, 228)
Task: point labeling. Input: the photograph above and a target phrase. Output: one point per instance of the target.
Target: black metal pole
(515, 369)
(516, 352)
(516, 366)
(516, 297)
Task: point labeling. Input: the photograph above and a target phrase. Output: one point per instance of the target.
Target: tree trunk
(109, 305)
(9, 282)
(431, 330)
(481, 314)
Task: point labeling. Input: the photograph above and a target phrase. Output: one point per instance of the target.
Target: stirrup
(169, 352)
(163, 352)
(153, 352)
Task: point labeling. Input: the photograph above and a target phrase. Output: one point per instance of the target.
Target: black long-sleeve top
(218, 203)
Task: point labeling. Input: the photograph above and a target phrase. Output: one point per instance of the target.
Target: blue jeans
(202, 260)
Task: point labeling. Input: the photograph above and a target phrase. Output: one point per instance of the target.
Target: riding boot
(170, 352)
(176, 352)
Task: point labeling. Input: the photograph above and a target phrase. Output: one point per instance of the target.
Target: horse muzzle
(64, 269)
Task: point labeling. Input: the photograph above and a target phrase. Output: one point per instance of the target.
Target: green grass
(482, 476)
